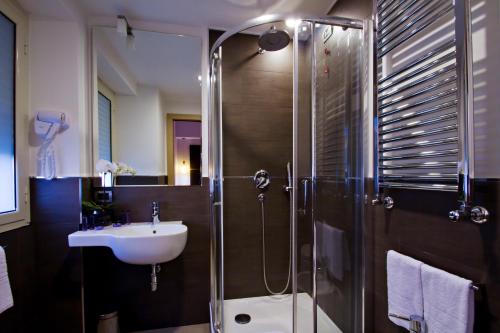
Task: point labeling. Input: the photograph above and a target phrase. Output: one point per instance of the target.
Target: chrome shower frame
(271, 18)
(216, 157)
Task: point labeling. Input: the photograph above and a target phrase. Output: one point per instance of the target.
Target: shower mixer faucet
(262, 180)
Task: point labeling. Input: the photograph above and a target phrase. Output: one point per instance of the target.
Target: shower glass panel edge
(293, 201)
(216, 195)
(304, 309)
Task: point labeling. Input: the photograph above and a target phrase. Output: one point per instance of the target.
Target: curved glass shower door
(330, 175)
(286, 171)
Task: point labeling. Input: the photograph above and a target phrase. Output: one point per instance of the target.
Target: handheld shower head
(274, 39)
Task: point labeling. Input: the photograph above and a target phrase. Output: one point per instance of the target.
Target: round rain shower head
(273, 39)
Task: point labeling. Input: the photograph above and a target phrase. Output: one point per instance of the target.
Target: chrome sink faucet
(156, 213)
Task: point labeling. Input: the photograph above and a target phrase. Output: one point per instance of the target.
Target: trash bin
(108, 323)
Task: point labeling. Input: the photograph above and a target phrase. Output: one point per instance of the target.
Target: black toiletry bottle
(84, 225)
(119, 221)
(93, 220)
(99, 219)
(127, 217)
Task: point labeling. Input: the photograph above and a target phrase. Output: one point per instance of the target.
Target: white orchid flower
(103, 166)
(122, 168)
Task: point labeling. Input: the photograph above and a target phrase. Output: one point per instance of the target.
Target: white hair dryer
(47, 126)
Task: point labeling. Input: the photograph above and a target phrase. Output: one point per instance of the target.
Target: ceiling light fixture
(264, 17)
(124, 29)
(122, 26)
(292, 23)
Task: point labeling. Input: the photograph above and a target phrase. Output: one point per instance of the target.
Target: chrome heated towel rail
(423, 135)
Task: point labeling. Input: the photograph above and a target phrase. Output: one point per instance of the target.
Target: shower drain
(242, 318)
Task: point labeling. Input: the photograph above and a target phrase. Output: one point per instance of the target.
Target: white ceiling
(55, 9)
(211, 13)
(170, 63)
(174, 63)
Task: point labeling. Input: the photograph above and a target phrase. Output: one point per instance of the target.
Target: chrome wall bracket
(476, 214)
(387, 202)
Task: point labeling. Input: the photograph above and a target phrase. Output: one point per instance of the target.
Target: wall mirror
(147, 106)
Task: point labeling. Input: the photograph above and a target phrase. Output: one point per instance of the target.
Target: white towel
(404, 287)
(333, 250)
(6, 300)
(448, 301)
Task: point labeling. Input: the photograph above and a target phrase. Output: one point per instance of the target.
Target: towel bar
(416, 322)
(473, 286)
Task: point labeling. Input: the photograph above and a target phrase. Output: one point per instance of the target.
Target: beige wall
(57, 82)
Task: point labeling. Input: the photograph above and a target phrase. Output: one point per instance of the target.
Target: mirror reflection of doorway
(184, 161)
(195, 164)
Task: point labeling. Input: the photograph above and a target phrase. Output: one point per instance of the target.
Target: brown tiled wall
(19, 249)
(183, 292)
(418, 227)
(45, 274)
(257, 134)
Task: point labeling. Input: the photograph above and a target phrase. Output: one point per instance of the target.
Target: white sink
(137, 243)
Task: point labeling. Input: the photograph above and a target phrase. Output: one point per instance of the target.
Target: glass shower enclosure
(287, 255)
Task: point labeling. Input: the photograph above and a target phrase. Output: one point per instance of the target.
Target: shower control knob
(262, 179)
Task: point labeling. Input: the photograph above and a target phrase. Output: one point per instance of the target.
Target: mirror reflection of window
(140, 90)
(104, 119)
